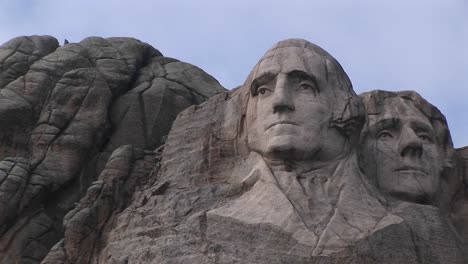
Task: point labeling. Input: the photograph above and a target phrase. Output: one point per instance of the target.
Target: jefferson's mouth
(281, 123)
(411, 168)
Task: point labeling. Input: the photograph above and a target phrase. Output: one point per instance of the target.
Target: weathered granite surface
(290, 167)
(458, 206)
(63, 111)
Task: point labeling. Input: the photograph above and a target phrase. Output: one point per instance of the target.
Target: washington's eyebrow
(304, 75)
(260, 80)
(267, 76)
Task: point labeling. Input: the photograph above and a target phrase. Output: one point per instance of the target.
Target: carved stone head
(405, 146)
(302, 105)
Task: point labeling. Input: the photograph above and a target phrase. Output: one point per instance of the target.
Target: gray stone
(18, 54)
(63, 111)
(458, 204)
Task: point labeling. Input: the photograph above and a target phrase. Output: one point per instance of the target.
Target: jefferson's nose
(410, 144)
(282, 96)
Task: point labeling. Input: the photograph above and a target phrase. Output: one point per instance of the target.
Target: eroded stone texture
(63, 111)
(17, 55)
(87, 224)
(459, 203)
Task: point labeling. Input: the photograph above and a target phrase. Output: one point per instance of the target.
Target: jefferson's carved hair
(374, 103)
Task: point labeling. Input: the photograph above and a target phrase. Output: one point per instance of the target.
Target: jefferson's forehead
(288, 59)
(398, 108)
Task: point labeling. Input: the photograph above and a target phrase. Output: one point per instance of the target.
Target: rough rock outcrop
(63, 111)
(458, 208)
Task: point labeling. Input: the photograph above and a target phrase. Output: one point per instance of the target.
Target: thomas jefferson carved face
(401, 152)
(289, 111)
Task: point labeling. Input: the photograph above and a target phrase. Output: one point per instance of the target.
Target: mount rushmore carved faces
(301, 181)
(406, 146)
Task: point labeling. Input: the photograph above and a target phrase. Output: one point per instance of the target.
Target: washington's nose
(282, 97)
(410, 144)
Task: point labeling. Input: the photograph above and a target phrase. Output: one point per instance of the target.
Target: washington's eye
(384, 134)
(308, 87)
(262, 90)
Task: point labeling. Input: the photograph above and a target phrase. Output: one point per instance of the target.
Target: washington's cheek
(316, 125)
(312, 132)
(313, 110)
(310, 137)
(256, 137)
(260, 123)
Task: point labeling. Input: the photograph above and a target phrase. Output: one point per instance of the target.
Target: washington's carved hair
(348, 113)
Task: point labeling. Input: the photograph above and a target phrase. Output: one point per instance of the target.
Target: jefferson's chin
(412, 186)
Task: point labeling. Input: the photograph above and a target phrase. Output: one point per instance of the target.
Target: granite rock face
(290, 167)
(458, 208)
(76, 122)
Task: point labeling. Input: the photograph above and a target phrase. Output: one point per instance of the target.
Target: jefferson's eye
(384, 134)
(424, 137)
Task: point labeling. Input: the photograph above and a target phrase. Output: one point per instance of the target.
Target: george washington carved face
(292, 100)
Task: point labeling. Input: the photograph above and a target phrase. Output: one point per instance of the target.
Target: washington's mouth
(411, 168)
(285, 122)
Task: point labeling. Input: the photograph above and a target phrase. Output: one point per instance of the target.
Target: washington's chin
(288, 145)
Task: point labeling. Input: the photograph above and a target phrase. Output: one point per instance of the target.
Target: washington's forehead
(287, 59)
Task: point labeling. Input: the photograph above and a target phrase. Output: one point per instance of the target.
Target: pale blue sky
(419, 45)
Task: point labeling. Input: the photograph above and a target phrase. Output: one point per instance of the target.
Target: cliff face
(72, 113)
(112, 153)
